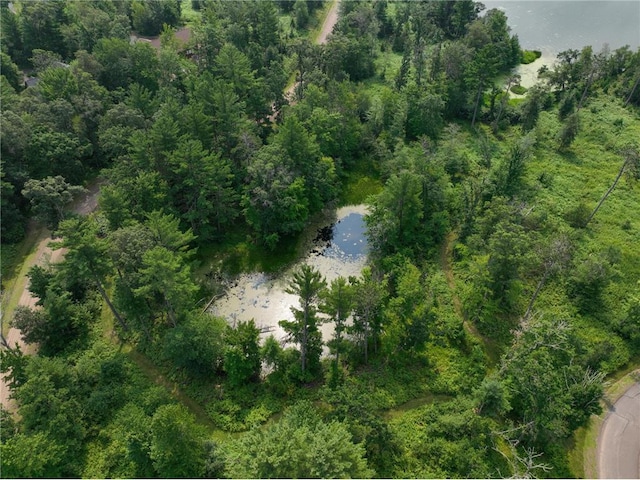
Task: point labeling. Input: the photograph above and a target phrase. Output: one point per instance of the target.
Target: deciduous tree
(369, 295)
(177, 443)
(49, 197)
(300, 445)
(551, 392)
(396, 214)
(242, 360)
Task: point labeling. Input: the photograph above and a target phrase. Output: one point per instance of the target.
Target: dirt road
(44, 255)
(329, 22)
(327, 27)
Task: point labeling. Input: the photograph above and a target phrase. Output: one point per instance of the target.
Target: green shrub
(529, 56)
(577, 216)
(227, 415)
(519, 89)
(257, 416)
(545, 179)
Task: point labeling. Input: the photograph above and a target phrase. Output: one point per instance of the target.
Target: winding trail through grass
(446, 253)
(417, 402)
(155, 375)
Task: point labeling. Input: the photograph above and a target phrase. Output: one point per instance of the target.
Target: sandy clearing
(44, 255)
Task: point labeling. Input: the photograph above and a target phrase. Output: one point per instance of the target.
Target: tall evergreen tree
(307, 283)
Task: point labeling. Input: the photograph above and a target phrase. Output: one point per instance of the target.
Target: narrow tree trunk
(105, 297)
(435, 71)
(366, 342)
(170, 312)
(604, 197)
(401, 220)
(502, 104)
(147, 333)
(4, 343)
(535, 295)
(305, 334)
(475, 109)
(374, 338)
(633, 89)
(145, 327)
(586, 88)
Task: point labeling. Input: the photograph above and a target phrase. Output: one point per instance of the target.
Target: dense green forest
(501, 289)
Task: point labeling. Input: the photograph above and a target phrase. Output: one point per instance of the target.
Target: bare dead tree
(633, 90)
(586, 89)
(524, 463)
(631, 166)
(510, 81)
(555, 259)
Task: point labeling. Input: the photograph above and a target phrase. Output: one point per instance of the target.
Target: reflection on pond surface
(338, 250)
(348, 238)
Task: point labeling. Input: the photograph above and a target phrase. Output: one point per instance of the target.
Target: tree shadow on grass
(570, 156)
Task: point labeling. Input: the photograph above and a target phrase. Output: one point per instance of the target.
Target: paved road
(619, 439)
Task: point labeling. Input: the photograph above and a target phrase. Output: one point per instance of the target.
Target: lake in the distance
(554, 26)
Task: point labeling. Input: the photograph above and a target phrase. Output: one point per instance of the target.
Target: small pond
(339, 249)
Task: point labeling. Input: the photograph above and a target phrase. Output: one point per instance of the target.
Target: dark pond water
(339, 249)
(345, 239)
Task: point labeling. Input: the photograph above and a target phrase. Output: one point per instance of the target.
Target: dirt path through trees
(329, 22)
(327, 27)
(155, 375)
(44, 255)
(446, 253)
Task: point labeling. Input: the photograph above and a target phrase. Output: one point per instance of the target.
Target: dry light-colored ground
(44, 255)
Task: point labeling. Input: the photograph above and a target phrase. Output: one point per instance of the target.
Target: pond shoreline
(262, 297)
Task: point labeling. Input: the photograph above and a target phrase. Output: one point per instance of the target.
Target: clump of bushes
(518, 89)
(530, 56)
(577, 216)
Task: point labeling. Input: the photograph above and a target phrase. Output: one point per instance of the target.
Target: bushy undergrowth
(530, 56)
